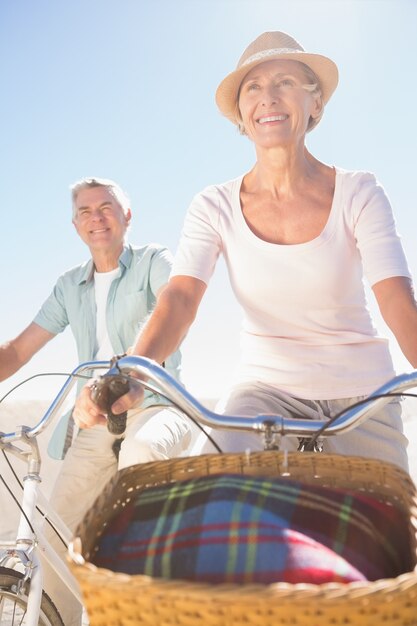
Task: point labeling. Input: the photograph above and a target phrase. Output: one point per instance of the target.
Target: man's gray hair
(88, 183)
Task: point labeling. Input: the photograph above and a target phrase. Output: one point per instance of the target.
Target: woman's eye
(285, 82)
(253, 86)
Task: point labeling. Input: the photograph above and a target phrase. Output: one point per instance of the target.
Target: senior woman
(297, 236)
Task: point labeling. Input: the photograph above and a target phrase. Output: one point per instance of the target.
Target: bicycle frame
(23, 553)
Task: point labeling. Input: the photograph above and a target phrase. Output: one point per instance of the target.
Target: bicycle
(23, 600)
(21, 570)
(151, 599)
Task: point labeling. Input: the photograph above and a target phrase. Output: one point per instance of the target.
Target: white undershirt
(102, 282)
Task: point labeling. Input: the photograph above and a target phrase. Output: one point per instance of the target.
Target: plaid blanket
(239, 529)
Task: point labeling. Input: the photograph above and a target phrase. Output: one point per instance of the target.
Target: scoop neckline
(249, 234)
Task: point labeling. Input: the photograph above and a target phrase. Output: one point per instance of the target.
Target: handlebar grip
(106, 390)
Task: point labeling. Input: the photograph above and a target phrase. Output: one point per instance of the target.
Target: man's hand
(87, 414)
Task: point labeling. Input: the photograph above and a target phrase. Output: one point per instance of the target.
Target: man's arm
(15, 353)
(398, 307)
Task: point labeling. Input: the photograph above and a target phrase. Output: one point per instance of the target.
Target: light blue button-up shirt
(132, 296)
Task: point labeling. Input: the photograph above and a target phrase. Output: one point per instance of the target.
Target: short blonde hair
(88, 183)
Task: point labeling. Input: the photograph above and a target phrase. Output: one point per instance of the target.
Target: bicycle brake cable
(20, 506)
(312, 440)
(26, 380)
(156, 390)
(11, 492)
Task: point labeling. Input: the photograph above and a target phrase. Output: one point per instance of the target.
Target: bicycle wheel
(13, 605)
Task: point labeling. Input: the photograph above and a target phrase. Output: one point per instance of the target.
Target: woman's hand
(87, 413)
(130, 400)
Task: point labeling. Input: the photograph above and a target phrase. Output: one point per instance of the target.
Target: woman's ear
(318, 106)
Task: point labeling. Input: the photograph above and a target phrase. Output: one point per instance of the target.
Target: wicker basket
(114, 599)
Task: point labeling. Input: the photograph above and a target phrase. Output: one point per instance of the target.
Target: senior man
(105, 301)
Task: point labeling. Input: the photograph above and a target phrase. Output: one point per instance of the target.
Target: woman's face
(274, 106)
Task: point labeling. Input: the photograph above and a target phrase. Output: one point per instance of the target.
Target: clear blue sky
(125, 89)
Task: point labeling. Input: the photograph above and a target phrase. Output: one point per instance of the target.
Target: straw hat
(269, 47)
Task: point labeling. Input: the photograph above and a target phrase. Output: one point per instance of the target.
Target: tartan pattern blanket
(241, 529)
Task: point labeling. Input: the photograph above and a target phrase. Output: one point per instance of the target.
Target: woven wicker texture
(117, 599)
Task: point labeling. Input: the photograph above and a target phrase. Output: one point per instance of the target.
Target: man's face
(100, 220)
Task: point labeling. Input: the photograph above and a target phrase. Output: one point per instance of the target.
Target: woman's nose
(270, 96)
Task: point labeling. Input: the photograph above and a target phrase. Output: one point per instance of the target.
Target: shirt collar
(87, 268)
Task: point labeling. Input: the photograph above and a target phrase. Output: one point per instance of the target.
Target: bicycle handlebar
(299, 427)
(160, 381)
(105, 391)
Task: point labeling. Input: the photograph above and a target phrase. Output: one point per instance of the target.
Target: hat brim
(324, 68)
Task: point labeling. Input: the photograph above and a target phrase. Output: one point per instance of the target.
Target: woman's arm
(395, 297)
(162, 334)
(173, 315)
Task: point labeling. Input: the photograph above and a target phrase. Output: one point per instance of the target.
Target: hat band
(269, 53)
